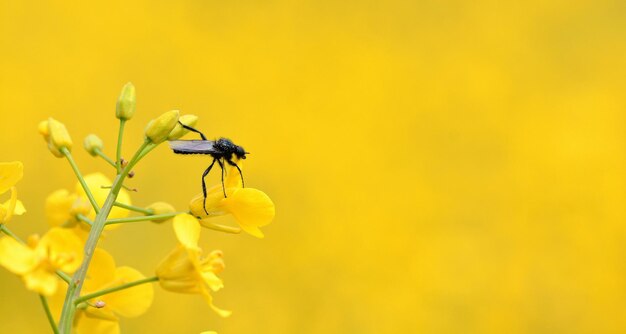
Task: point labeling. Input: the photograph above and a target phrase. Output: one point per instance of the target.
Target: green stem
(73, 290)
(118, 152)
(92, 200)
(64, 276)
(134, 208)
(143, 218)
(105, 157)
(46, 307)
(114, 289)
(8, 232)
(85, 219)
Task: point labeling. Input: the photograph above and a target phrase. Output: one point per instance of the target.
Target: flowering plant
(80, 286)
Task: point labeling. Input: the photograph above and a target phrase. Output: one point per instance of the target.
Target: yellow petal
(9, 206)
(209, 332)
(16, 257)
(214, 198)
(131, 302)
(58, 205)
(63, 248)
(252, 208)
(187, 229)
(93, 325)
(233, 178)
(178, 273)
(95, 182)
(101, 271)
(10, 174)
(42, 281)
(19, 208)
(209, 299)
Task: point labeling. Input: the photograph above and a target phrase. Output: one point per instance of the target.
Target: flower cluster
(81, 287)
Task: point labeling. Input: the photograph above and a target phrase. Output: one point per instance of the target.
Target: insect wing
(193, 146)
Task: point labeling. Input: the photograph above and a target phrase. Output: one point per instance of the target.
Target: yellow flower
(63, 206)
(37, 262)
(10, 174)
(185, 270)
(128, 303)
(251, 207)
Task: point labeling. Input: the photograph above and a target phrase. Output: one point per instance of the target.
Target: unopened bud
(161, 208)
(92, 144)
(126, 102)
(131, 174)
(56, 135)
(158, 129)
(179, 131)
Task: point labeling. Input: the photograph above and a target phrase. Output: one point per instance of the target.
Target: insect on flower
(222, 151)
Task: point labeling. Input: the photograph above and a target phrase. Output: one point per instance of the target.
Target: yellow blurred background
(437, 166)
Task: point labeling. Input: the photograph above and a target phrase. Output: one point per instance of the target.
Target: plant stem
(92, 200)
(114, 289)
(105, 157)
(8, 232)
(143, 218)
(46, 307)
(85, 219)
(64, 276)
(118, 152)
(134, 208)
(73, 290)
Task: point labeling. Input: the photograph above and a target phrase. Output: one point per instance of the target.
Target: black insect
(222, 150)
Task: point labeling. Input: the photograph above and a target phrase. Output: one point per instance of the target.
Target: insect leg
(192, 129)
(206, 172)
(222, 167)
(232, 163)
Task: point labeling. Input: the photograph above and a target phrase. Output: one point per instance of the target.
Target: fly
(222, 150)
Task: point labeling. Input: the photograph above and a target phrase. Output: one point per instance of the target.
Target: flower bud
(126, 102)
(160, 208)
(158, 129)
(59, 135)
(55, 133)
(179, 131)
(92, 144)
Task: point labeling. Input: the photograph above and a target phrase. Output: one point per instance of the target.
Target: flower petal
(101, 271)
(16, 257)
(187, 229)
(42, 281)
(209, 299)
(58, 205)
(63, 248)
(95, 182)
(131, 302)
(93, 325)
(252, 208)
(19, 208)
(10, 174)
